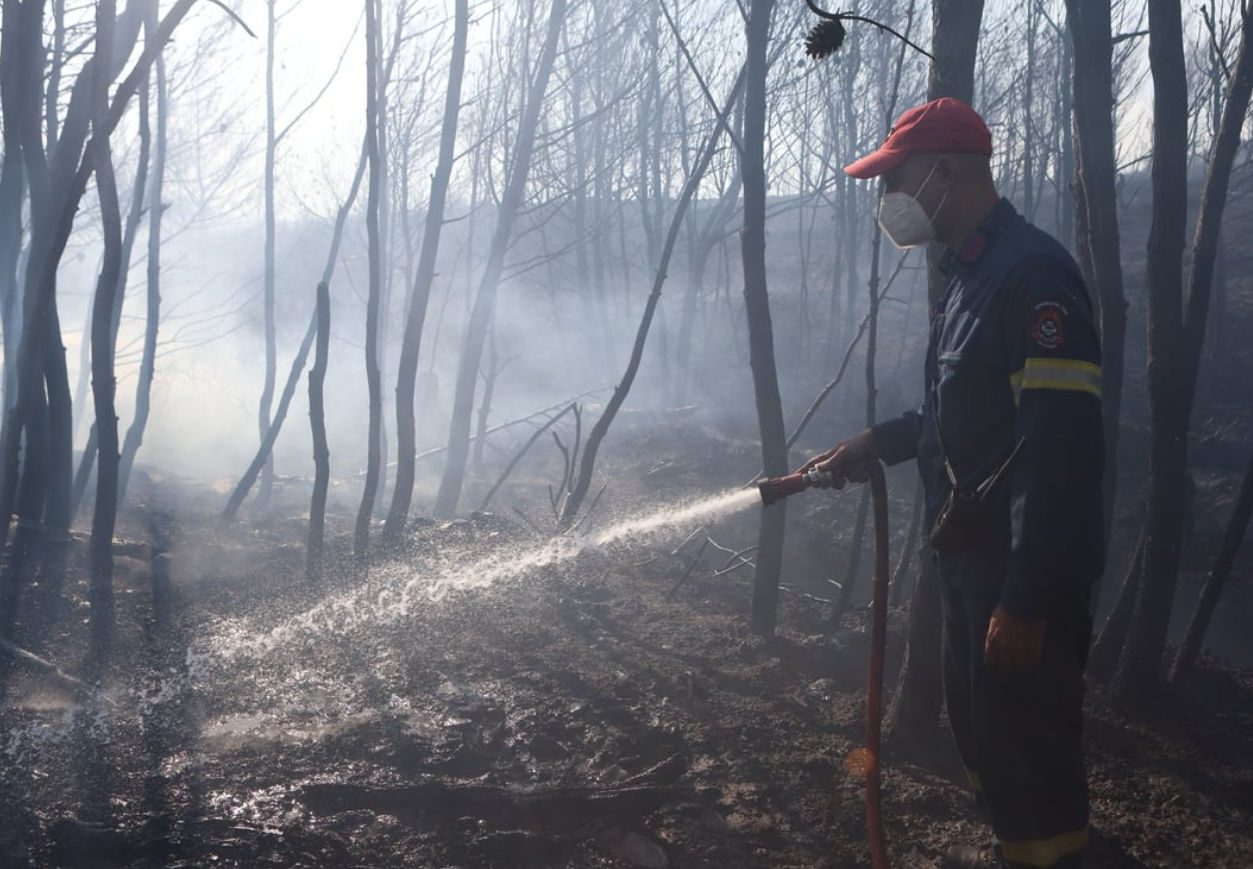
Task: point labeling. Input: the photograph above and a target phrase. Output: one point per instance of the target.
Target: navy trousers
(1020, 734)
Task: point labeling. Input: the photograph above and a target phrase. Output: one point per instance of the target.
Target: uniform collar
(980, 239)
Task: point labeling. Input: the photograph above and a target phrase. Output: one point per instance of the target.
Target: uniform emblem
(1048, 329)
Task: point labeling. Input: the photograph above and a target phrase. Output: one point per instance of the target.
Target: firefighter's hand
(848, 460)
(1013, 643)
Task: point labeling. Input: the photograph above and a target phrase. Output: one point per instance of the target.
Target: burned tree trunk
(596, 436)
(15, 55)
(1098, 239)
(872, 342)
(1176, 324)
(485, 301)
(87, 462)
(147, 366)
(61, 185)
(1139, 668)
(298, 363)
(267, 291)
(373, 376)
(103, 381)
(774, 451)
(58, 507)
(317, 422)
(1106, 649)
(1190, 648)
(420, 296)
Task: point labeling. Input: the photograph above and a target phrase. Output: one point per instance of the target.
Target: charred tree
(156, 208)
(373, 376)
(1176, 324)
(250, 475)
(103, 381)
(485, 300)
(774, 451)
(134, 217)
(1108, 645)
(267, 292)
(317, 423)
(420, 294)
(61, 183)
(1216, 580)
(587, 465)
(872, 343)
(16, 57)
(1097, 238)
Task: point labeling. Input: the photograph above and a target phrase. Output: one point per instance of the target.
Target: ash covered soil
(482, 699)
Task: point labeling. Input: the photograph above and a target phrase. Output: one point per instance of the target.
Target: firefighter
(1009, 444)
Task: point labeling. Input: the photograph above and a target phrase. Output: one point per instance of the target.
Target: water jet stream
(393, 591)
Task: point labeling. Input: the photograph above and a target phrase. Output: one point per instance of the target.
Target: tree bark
(1216, 580)
(1097, 238)
(872, 341)
(774, 451)
(411, 342)
(61, 185)
(587, 467)
(1103, 658)
(15, 57)
(103, 382)
(267, 293)
(373, 376)
(298, 363)
(147, 366)
(317, 422)
(1176, 325)
(485, 300)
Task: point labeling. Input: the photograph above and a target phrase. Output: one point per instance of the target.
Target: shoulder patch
(1048, 325)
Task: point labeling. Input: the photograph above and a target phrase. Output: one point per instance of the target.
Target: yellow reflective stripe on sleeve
(976, 781)
(1067, 375)
(1045, 852)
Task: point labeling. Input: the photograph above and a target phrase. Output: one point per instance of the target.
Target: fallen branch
(690, 568)
(804, 595)
(743, 563)
(735, 562)
(555, 808)
(666, 772)
(487, 499)
(43, 665)
(686, 540)
(499, 427)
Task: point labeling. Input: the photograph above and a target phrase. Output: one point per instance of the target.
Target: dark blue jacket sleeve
(897, 439)
(1057, 543)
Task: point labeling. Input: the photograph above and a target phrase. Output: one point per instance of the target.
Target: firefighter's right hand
(847, 461)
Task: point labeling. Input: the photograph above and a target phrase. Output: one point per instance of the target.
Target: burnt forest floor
(469, 703)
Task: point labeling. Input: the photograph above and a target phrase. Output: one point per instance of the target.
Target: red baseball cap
(945, 126)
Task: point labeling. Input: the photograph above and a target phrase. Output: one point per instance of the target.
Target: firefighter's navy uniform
(1013, 383)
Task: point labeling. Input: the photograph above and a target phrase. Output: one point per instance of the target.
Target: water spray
(864, 761)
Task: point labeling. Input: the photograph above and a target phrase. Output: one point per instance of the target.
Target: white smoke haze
(208, 380)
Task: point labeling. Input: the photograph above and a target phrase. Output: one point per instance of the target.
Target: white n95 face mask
(903, 219)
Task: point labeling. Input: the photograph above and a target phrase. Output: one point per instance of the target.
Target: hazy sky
(321, 152)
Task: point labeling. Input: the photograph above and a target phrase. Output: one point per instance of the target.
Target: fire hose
(777, 488)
